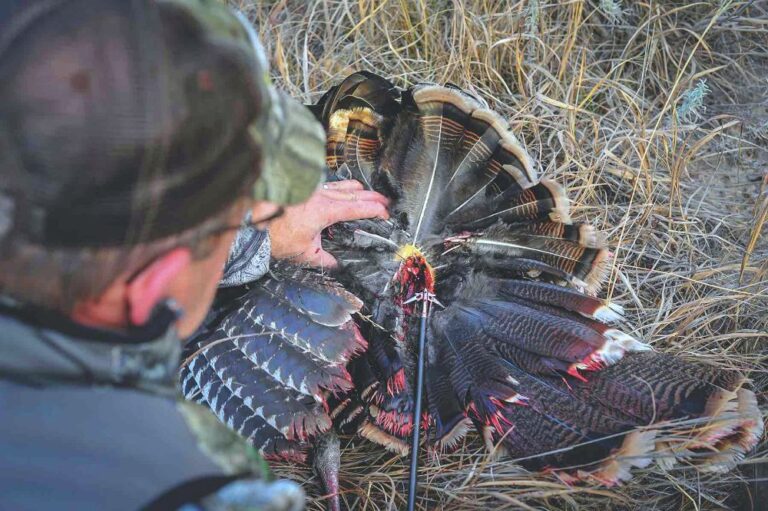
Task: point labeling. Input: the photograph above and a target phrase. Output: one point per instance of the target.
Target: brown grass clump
(655, 114)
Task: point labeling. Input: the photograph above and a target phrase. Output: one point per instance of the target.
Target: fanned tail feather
(544, 201)
(583, 234)
(501, 243)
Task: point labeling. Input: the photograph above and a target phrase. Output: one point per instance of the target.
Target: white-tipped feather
(752, 418)
(428, 93)
(601, 268)
(340, 408)
(337, 124)
(488, 438)
(664, 456)
(562, 210)
(731, 425)
(635, 451)
(496, 451)
(616, 345)
(589, 237)
(626, 341)
(453, 437)
(736, 427)
(352, 415)
(609, 313)
(525, 177)
(390, 442)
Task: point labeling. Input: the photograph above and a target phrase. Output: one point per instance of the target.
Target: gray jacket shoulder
(71, 447)
(90, 421)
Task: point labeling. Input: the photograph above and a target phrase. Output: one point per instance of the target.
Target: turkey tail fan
(453, 166)
(523, 351)
(271, 355)
(460, 154)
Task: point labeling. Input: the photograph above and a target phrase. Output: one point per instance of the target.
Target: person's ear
(263, 210)
(150, 285)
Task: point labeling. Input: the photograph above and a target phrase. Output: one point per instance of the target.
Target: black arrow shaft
(419, 391)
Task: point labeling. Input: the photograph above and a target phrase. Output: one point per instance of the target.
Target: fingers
(296, 234)
(348, 184)
(347, 200)
(355, 195)
(343, 211)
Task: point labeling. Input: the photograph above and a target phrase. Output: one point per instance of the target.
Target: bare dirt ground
(655, 115)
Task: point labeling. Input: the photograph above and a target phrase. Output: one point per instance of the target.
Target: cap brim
(292, 142)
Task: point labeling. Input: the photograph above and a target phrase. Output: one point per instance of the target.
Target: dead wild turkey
(522, 350)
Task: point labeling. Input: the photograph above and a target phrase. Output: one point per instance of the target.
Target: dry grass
(655, 114)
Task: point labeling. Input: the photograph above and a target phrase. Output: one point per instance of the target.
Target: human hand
(296, 234)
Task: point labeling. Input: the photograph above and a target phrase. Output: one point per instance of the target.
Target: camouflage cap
(291, 140)
(122, 122)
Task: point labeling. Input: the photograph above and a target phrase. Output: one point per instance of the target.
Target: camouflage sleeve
(248, 259)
